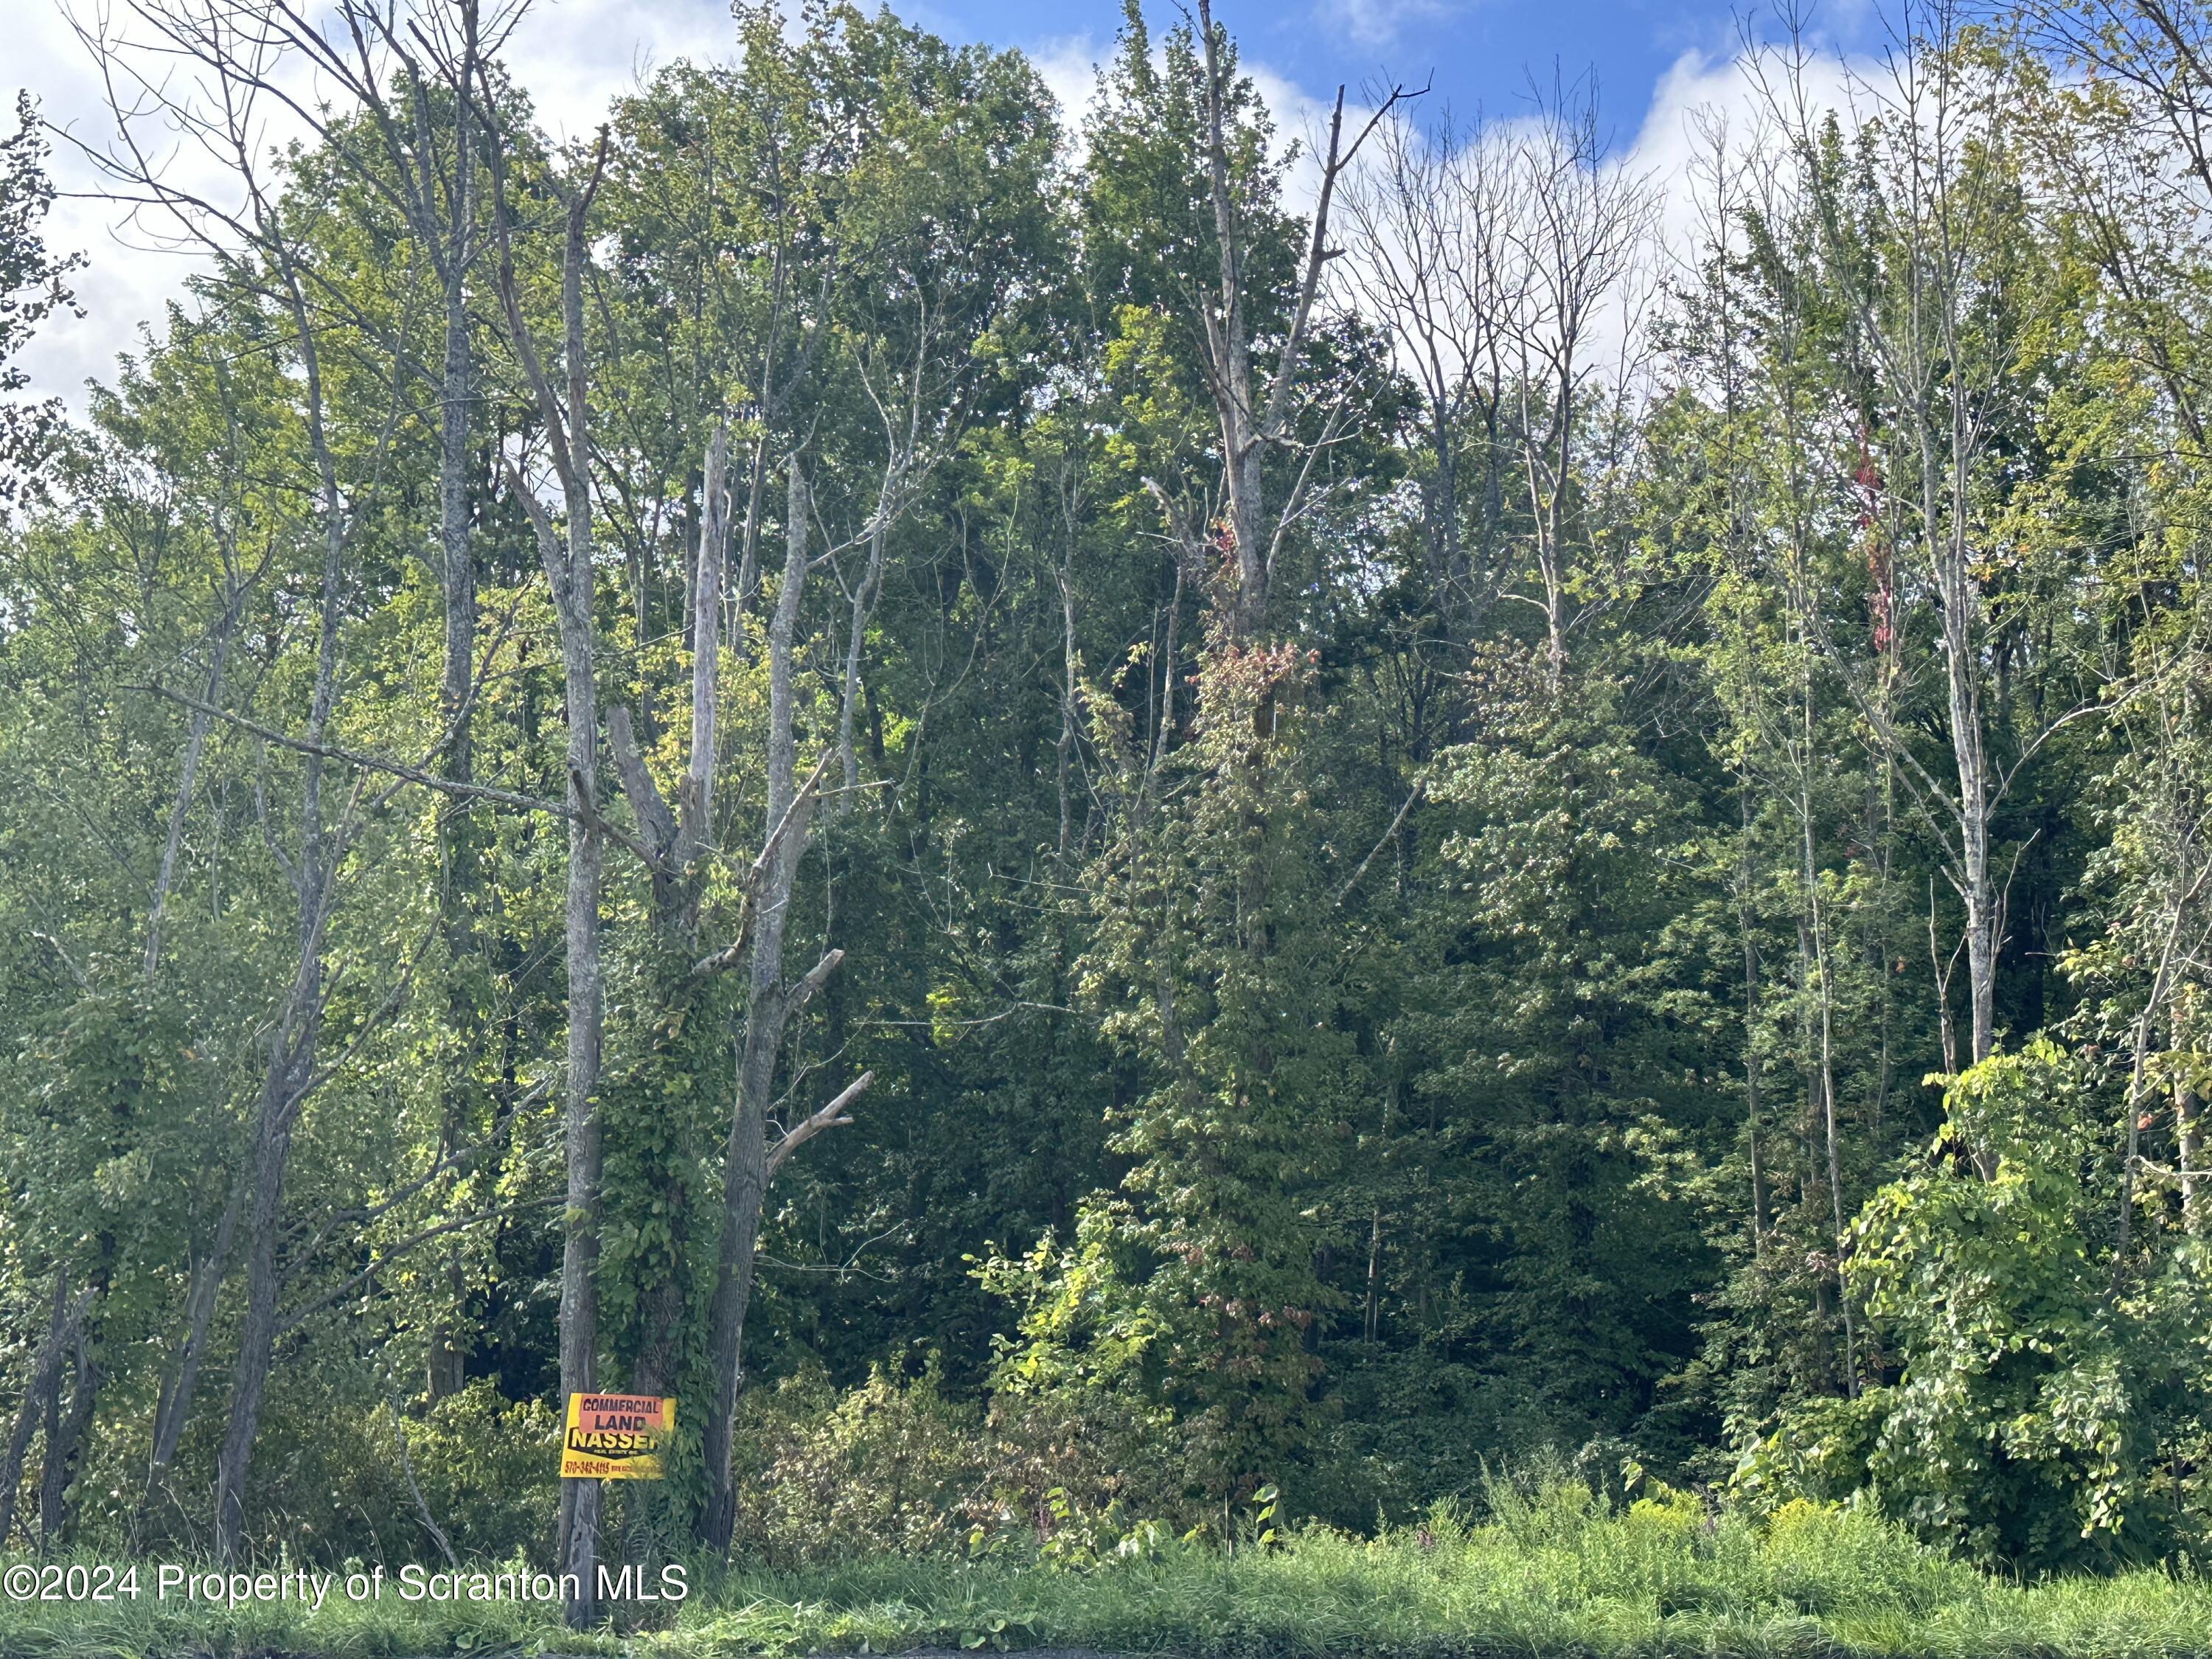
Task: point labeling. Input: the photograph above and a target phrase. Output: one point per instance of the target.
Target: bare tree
(674, 844)
(1580, 241)
(1255, 412)
(219, 111)
(565, 555)
(387, 64)
(1433, 259)
(749, 1161)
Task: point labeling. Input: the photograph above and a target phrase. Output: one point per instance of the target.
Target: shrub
(487, 1467)
(892, 1468)
(2052, 1408)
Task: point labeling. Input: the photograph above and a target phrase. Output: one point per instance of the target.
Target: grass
(1556, 1576)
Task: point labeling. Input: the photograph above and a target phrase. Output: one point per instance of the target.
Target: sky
(1655, 61)
(1479, 52)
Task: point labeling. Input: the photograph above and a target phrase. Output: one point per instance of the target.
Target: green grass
(1552, 1577)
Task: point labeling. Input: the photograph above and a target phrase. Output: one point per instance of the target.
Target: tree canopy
(1185, 820)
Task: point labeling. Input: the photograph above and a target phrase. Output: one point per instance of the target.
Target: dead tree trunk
(1960, 595)
(748, 1161)
(1250, 417)
(567, 559)
(448, 1346)
(1064, 749)
(864, 605)
(174, 1406)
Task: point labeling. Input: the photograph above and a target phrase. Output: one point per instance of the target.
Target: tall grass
(1554, 1571)
(1554, 1574)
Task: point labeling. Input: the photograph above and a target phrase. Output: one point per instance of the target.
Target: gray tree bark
(448, 1346)
(38, 1393)
(567, 560)
(1252, 417)
(173, 1408)
(748, 1164)
(290, 1072)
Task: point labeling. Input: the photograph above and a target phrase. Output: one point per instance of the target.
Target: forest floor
(1656, 1582)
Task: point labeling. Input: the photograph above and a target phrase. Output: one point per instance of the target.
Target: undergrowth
(1556, 1572)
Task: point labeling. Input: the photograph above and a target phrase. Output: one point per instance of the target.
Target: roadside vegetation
(1079, 818)
(1553, 1570)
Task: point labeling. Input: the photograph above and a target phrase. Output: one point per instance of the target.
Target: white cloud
(1705, 94)
(1068, 66)
(1374, 23)
(125, 281)
(575, 56)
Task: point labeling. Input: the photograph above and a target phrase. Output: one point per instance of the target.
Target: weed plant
(1549, 1570)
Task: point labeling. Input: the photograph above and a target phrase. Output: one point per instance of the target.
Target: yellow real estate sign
(616, 1436)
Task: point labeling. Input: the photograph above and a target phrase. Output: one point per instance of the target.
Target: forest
(1109, 824)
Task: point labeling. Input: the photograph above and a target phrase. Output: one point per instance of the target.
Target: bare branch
(832, 1116)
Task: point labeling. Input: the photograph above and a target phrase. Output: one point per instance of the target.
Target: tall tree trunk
(566, 557)
(579, 1248)
(864, 605)
(290, 1071)
(744, 1163)
(449, 1344)
(173, 1409)
(269, 1150)
(195, 746)
(457, 561)
(579, 1252)
(2189, 1122)
(1230, 339)
(1751, 1063)
(674, 843)
(65, 1443)
(39, 1392)
(1064, 749)
(1976, 888)
(1447, 553)
(1548, 504)
(2196, 1179)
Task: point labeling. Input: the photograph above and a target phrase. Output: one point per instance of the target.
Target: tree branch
(730, 954)
(816, 978)
(300, 1315)
(654, 821)
(829, 1117)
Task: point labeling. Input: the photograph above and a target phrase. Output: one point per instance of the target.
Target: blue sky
(1477, 48)
(1481, 53)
